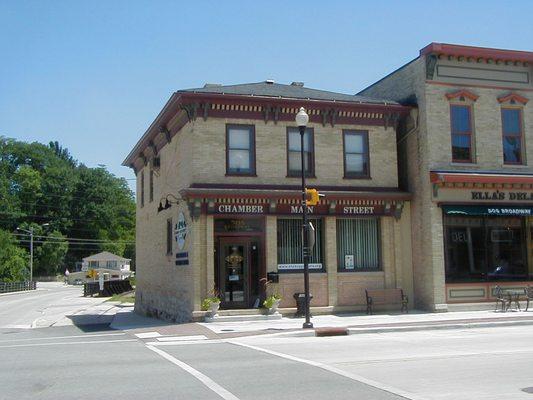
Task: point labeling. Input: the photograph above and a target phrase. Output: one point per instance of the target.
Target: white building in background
(109, 264)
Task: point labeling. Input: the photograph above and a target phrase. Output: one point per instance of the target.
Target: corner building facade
(467, 162)
(227, 160)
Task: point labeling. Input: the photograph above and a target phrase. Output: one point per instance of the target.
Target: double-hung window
(356, 160)
(512, 135)
(461, 123)
(169, 236)
(142, 188)
(294, 156)
(240, 150)
(151, 193)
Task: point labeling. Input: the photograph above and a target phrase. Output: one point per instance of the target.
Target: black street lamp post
(301, 120)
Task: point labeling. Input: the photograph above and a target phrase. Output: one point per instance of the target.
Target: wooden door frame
(247, 238)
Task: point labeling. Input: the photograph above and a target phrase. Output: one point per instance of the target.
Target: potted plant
(272, 303)
(211, 304)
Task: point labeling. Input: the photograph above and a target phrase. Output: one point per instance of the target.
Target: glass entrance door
(234, 264)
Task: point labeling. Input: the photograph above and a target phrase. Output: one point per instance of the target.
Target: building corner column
(210, 255)
(331, 259)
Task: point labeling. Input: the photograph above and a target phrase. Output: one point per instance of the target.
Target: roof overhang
(195, 104)
(477, 52)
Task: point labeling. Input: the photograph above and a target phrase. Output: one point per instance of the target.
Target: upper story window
(240, 150)
(461, 123)
(142, 188)
(356, 159)
(512, 135)
(151, 193)
(294, 157)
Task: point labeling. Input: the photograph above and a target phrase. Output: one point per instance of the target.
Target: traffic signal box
(312, 197)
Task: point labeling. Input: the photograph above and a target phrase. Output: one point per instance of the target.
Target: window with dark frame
(169, 236)
(142, 188)
(461, 126)
(289, 241)
(151, 197)
(358, 244)
(512, 135)
(294, 158)
(356, 155)
(240, 150)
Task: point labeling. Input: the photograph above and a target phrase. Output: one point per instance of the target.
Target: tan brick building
(228, 160)
(467, 162)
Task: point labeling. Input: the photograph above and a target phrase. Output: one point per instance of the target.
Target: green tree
(13, 260)
(45, 184)
(50, 255)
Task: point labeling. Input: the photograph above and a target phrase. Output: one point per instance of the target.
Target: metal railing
(110, 288)
(7, 287)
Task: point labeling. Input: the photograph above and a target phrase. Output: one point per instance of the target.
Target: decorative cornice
(478, 54)
(209, 105)
(513, 98)
(463, 93)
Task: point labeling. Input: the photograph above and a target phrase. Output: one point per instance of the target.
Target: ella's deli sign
(501, 195)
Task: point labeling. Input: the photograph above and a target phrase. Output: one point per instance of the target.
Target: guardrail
(8, 287)
(110, 287)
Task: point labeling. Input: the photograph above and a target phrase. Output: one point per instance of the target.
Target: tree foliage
(13, 260)
(88, 209)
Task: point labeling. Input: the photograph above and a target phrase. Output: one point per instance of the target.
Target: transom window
(240, 150)
(461, 123)
(356, 162)
(294, 157)
(512, 135)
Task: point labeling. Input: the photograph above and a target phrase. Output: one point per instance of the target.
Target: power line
(74, 239)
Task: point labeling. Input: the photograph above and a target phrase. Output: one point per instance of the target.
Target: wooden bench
(378, 297)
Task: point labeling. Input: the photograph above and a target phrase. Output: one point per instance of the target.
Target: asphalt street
(94, 361)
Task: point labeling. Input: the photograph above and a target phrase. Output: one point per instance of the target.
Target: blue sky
(94, 74)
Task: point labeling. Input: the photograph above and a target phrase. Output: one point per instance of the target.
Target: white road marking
(181, 338)
(355, 377)
(211, 384)
(147, 335)
(182, 342)
(63, 337)
(66, 343)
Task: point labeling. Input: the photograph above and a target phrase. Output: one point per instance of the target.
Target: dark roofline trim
(473, 51)
(180, 99)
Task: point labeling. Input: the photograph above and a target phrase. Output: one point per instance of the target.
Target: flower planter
(213, 309)
(274, 308)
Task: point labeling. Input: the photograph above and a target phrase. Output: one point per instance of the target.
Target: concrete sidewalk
(126, 319)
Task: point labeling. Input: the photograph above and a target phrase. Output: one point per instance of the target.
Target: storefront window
(358, 244)
(485, 248)
(290, 245)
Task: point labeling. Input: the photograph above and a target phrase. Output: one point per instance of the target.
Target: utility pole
(30, 231)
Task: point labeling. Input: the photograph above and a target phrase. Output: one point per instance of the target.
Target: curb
(413, 328)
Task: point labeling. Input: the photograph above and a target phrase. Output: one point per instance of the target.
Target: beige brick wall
(209, 158)
(164, 289)
(428, 264)
(487, 124)
(197, 154)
